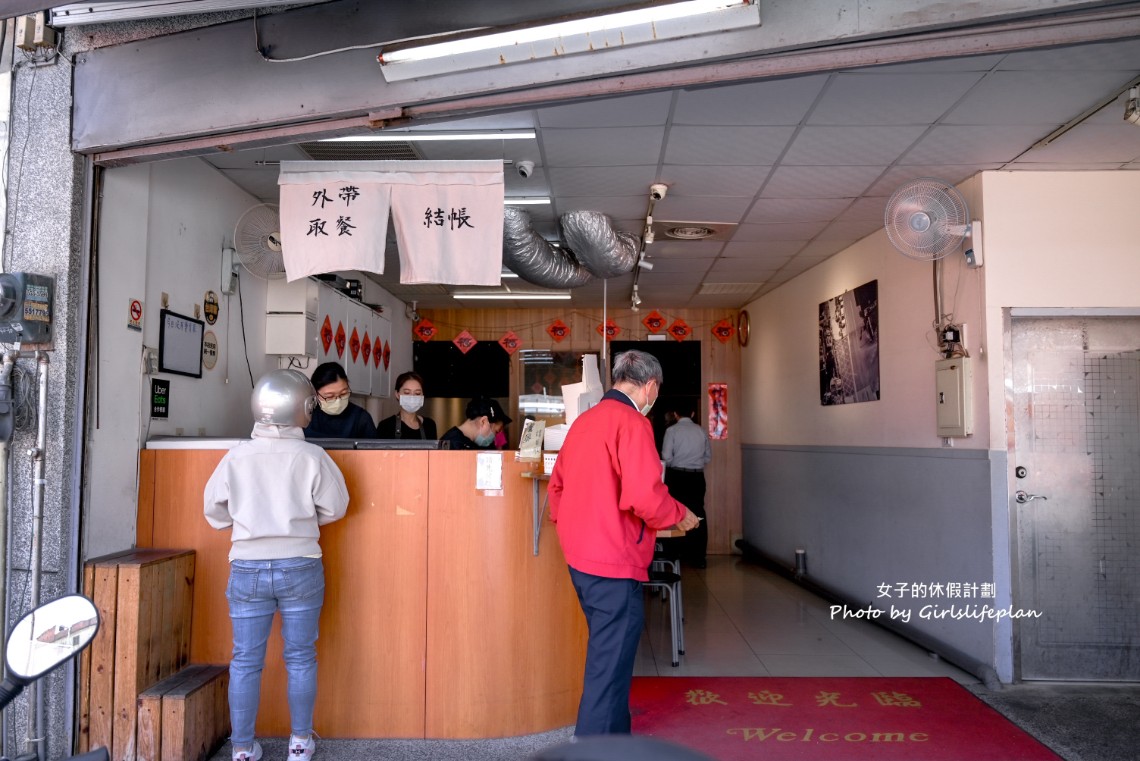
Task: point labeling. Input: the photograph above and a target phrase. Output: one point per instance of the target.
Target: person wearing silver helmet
(273, 493)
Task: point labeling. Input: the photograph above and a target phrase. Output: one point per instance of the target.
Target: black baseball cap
(480, 406)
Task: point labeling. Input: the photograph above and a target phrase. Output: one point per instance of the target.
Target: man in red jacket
(608, 501)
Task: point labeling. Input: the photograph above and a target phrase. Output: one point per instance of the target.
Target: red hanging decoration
(377, 352)
(326, 334)
(653, 322)
(558, 330)
(387, 354)
(465, 341)
(354, 345)
(340, 339)
(610, 330)
(680, 330)
(723, 331)
(510, 342)
(424, 330)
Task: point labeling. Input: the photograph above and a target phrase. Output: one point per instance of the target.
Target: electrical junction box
(954, 382)
(26, 308)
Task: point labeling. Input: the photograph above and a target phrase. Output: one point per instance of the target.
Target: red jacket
(606, 494)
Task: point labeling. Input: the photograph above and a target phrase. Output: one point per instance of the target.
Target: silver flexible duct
(603, 251)
(531, 257)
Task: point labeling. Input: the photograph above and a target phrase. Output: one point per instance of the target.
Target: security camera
(658, 190)
(526, 169)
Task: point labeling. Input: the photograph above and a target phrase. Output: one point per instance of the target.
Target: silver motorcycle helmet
(283, 397)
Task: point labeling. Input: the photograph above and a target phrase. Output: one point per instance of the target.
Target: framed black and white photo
(849, 346)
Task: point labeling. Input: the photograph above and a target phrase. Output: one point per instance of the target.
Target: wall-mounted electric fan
(927, 219)
(257, 245)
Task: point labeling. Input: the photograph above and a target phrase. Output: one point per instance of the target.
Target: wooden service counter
(439, 620)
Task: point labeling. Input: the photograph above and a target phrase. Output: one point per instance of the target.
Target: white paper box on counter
(553, 436)
(548, 459)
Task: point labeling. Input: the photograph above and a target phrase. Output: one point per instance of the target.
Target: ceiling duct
(601, 249)
(534, 259)
(361, 150)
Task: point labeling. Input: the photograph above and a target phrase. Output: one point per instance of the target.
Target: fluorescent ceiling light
(576, 34)
(514, 296)
(526, 201)
(98, 12)
(423, 137)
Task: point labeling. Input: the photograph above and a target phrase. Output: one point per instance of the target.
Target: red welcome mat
(825, 719)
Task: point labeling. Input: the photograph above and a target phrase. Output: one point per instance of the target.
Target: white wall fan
(257, 246)
(927, 219)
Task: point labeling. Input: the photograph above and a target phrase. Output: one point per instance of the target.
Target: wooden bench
(184, 717)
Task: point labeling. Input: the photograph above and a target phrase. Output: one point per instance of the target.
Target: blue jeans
(256, 590)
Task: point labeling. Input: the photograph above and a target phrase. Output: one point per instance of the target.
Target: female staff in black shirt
(408, 424)
(336, 417)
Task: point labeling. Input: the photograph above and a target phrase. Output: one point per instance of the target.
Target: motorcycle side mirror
(51, 635)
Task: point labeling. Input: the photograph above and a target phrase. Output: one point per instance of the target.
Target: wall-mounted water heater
(26, 307)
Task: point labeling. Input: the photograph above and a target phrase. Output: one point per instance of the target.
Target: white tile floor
(742, 620)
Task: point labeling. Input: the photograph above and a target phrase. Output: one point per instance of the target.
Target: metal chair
(669, 584)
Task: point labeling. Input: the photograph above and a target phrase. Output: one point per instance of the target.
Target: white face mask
(648, 404)
(334, 406)
(410, 403)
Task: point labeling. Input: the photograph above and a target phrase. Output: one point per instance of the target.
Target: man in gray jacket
(273, 492)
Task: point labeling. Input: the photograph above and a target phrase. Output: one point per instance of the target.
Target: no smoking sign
(134, 314)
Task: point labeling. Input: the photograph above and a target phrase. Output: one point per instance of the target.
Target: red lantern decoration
(558, 330)
(680, 330)
(465, 341)
(723, 331)
(654, 322)
(610, 330)
(424, 330)
(510, 342)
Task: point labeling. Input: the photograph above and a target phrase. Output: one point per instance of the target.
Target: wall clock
(743, 327)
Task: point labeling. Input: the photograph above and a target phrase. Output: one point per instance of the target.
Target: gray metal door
(1076, 396)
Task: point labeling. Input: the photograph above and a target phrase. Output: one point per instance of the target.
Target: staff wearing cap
(607, 501)
(484, 419)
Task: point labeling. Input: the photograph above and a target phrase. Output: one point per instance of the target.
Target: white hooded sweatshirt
(274, 491)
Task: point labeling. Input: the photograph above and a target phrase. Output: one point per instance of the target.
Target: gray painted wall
(873, 516)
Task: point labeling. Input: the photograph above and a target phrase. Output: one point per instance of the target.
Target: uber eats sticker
(159, 398)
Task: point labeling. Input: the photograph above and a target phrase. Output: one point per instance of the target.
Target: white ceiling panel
(1015, 97)
(754, 146)
(821, 249)
(617, 207)
(875, 97)
(1090, 143)
(851, 230)
(602, 180)
(820, 181)
(957, 145)
(866, 146)
(897, 175)
(727, 301)
(798, 231)
(701, 208)
(768, 210)
(757, 250)
(698, 249)
(662, 265)
(722, 180)
(772, 103)
(624, 146)
(866, 208)
(627, 111)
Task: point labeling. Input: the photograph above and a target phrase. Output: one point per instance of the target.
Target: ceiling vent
(672, 230)
(360, 151)
(728, 289)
